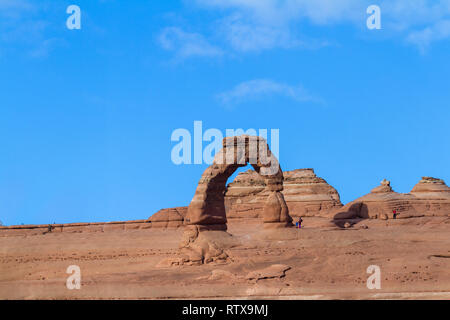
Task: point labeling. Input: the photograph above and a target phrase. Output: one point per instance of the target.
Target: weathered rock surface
(273, 271)
(384, 187)
(325, 263)
(430, 197)
(430, 186)
(305, 195)
(82, 227)
(168, 218)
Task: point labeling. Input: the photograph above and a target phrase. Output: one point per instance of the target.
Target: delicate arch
(207, 208)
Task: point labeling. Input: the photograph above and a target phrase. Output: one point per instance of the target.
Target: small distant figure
(394, 213)
(298, 224)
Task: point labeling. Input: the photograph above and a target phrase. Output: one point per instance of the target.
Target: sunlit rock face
(430, 197)
(305, 195)
(169, 218)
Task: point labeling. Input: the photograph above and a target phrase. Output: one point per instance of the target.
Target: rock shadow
(355, 214)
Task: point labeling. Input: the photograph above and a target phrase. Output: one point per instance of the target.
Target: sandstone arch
(207, 209)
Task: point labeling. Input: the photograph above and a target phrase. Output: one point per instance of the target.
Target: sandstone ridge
(430, 197)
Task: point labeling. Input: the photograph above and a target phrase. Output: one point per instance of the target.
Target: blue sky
(86, 116)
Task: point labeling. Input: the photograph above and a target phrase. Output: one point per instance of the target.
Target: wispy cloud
(247, 37)
(25, 29)
(262, 88)
(278, 12)
(187, 45)
(257, 25)
(423, 38)
(13, 8)
(43, 49)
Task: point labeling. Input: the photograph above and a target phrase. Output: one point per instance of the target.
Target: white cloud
(261, 88)
(425, 37)
(13, 8)
(253, 25)
(24, 30)
(284, 11)
(245, 37)
(186, 45)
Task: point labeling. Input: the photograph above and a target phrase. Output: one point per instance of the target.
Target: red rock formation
(383, 188)
(430, 197)
(305, 194)
(204, 239)
(309, 195)
(207, 208)
(168, 218)
(245, 196)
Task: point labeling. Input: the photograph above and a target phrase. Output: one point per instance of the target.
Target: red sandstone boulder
(383, 188)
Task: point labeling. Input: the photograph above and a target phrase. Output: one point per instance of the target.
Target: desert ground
(320, 261)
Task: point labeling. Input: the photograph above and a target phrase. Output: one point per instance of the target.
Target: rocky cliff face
(430, 197)
(304, 192)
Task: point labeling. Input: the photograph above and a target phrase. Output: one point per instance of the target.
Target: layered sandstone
(430, 197)
(164, 218)
(169, 218)
(384, 187)
(305, 194)
(82, 227)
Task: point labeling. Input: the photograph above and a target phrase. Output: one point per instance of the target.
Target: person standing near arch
(298, 224)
